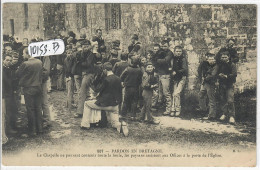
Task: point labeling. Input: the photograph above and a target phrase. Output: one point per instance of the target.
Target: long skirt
(92, 114)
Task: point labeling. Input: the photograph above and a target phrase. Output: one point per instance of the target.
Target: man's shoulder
(113, 78)
(169, 52)
(33, 61)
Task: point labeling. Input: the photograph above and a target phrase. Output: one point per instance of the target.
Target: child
(149, 55)
(208, 87)
(148, 83)
(227, 77)
(143, 64)
(132, 79)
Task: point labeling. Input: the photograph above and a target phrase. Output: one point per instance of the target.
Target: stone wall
(16, 12)
(198, 28)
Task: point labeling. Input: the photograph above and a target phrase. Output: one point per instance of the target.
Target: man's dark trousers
(130, 100)
(33, 102)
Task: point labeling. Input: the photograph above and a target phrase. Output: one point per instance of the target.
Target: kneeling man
(108, 100)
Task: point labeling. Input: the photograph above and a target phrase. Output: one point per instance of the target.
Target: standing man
(60, 72)
(30, 78)
(208, 74)
(161, 60)
(98, 37)
(88, 70)
(179, 73)
(20, 50)
(132, 79)
(135, 46)
(227, 77)
(45, 106)
(8, 95)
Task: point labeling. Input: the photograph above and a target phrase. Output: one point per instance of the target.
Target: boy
(227, 77)
(148, 83)
(143, 64)
(132, 79)
(208, 80)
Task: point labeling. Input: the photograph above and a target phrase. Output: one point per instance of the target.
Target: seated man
(110, 96)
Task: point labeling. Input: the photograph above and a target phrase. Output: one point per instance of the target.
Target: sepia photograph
(128, 84)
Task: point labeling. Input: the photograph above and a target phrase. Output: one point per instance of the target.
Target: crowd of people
(112, 86)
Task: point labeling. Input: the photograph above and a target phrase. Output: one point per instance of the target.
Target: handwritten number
(45, 49)
(41, 49)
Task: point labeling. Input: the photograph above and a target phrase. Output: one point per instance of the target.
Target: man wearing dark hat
(25, 44)
(120, 66)
(161, 59)
(8, 95)
(135, 46)
(87, 60)
(179, 75)
(30, 75)
(231, 50)
(72, 35)
(116, 44)
(82, 37)
(132, 79)
(113, 59)
(98, 37)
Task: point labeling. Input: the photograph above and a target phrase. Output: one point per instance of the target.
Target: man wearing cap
(116, 46)
(161, 60)
(71, 35)
(135, 46)
(30, 75)
(87, 60)
(231, 51)
(113, 59)
(25, 44)
(179, 74)
(98, 37)
(17, 88)
(132, 79)
(82, 37)
(8, 95)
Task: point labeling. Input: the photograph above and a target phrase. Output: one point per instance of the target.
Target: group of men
(114, 82)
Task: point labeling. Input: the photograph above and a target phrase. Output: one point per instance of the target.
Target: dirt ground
(187, 134)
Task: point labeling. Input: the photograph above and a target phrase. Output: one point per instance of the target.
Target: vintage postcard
(110, 84)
